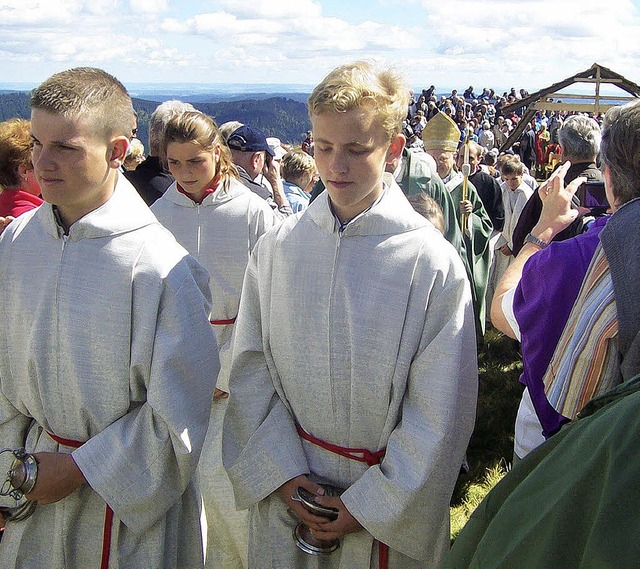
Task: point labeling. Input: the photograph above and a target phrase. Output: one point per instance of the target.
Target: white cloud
(537, 42)
(108, 8)
(293, 32)
(148, 6)
(38, 12)
(270, 9)
(502, 43)
(49, 13)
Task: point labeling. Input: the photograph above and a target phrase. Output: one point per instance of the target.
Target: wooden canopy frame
(550, 99)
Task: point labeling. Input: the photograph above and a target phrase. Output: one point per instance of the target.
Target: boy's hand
(321, 527)
(343, 525)
(219, 394)
(289, 489)
(58, 476)
(4, 221)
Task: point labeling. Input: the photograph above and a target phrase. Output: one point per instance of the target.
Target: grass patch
(476, 491)
(490, 450)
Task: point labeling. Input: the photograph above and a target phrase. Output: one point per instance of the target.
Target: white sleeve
(507, 309)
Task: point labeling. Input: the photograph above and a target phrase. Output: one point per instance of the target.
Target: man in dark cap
(253, 157)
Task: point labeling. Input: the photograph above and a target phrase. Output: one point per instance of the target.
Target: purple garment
(550, 283)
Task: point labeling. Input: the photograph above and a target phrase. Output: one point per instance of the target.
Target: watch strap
(539, 242)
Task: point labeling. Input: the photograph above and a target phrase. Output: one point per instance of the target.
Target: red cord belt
(360, 455)
(108, 515)
(223, 322)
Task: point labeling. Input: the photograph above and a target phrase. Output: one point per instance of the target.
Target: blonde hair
(298, 168)
(15, 149)
(198, 128)
(91, 92)
(228, 128)
(136, 154)
(512, 167)
(359, 84)
(504, 158)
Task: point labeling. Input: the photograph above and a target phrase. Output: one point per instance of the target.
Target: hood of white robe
(124, 211)
(392, 214)
(218, 197)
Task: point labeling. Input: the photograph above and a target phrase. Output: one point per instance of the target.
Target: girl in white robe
(218, 220)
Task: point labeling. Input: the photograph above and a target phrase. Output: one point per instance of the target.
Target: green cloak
(572, 503)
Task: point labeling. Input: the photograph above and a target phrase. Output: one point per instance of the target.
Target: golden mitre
(441, 133)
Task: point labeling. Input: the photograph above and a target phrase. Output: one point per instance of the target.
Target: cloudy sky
(449, 43)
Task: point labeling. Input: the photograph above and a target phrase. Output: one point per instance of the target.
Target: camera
(594, 197)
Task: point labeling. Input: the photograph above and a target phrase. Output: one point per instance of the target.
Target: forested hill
(276, 116)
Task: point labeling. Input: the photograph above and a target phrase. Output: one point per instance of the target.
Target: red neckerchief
(208, 190)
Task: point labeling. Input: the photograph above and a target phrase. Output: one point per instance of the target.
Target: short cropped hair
(359, 84)
(158, 121)
(89, 92)
(512, 167)
(200, 129)
(579, 137)
(15, 149)
(298, 168)
(620, 150)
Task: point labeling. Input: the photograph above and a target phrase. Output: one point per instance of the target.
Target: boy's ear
(23, 169)
(119, 149)
(395, 148)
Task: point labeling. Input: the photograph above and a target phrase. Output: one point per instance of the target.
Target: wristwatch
(539, 242)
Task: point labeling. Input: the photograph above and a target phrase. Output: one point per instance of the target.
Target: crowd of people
(232, 352)
(489, 119)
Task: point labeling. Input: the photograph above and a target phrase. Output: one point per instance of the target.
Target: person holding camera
(253, 157)
(524, 309)
(579, 140)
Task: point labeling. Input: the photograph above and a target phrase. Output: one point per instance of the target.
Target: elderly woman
(300, 174)
(19, 189)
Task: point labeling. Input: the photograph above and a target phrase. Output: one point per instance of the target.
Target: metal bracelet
(535, 241)
(20, 512)
(22, 475)
(20, 480)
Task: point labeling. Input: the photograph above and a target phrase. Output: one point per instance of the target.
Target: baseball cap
(249, 139)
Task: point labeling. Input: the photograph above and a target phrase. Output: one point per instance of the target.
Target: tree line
(276, 116)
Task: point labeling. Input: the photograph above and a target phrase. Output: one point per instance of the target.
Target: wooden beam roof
(550, 99)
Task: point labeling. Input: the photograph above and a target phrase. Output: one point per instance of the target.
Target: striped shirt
(586, 360)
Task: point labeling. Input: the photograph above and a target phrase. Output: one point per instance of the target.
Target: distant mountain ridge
(281, 115)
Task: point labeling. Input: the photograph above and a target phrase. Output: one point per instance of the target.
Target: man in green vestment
(441, 137)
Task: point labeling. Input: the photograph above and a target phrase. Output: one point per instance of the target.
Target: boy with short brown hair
(98, 383)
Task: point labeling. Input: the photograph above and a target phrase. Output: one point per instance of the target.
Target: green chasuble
(476, 240)
(417, 177)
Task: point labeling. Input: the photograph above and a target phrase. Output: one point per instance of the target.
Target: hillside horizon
(282, 115)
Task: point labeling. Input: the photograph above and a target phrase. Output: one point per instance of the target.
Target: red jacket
(17, 202)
